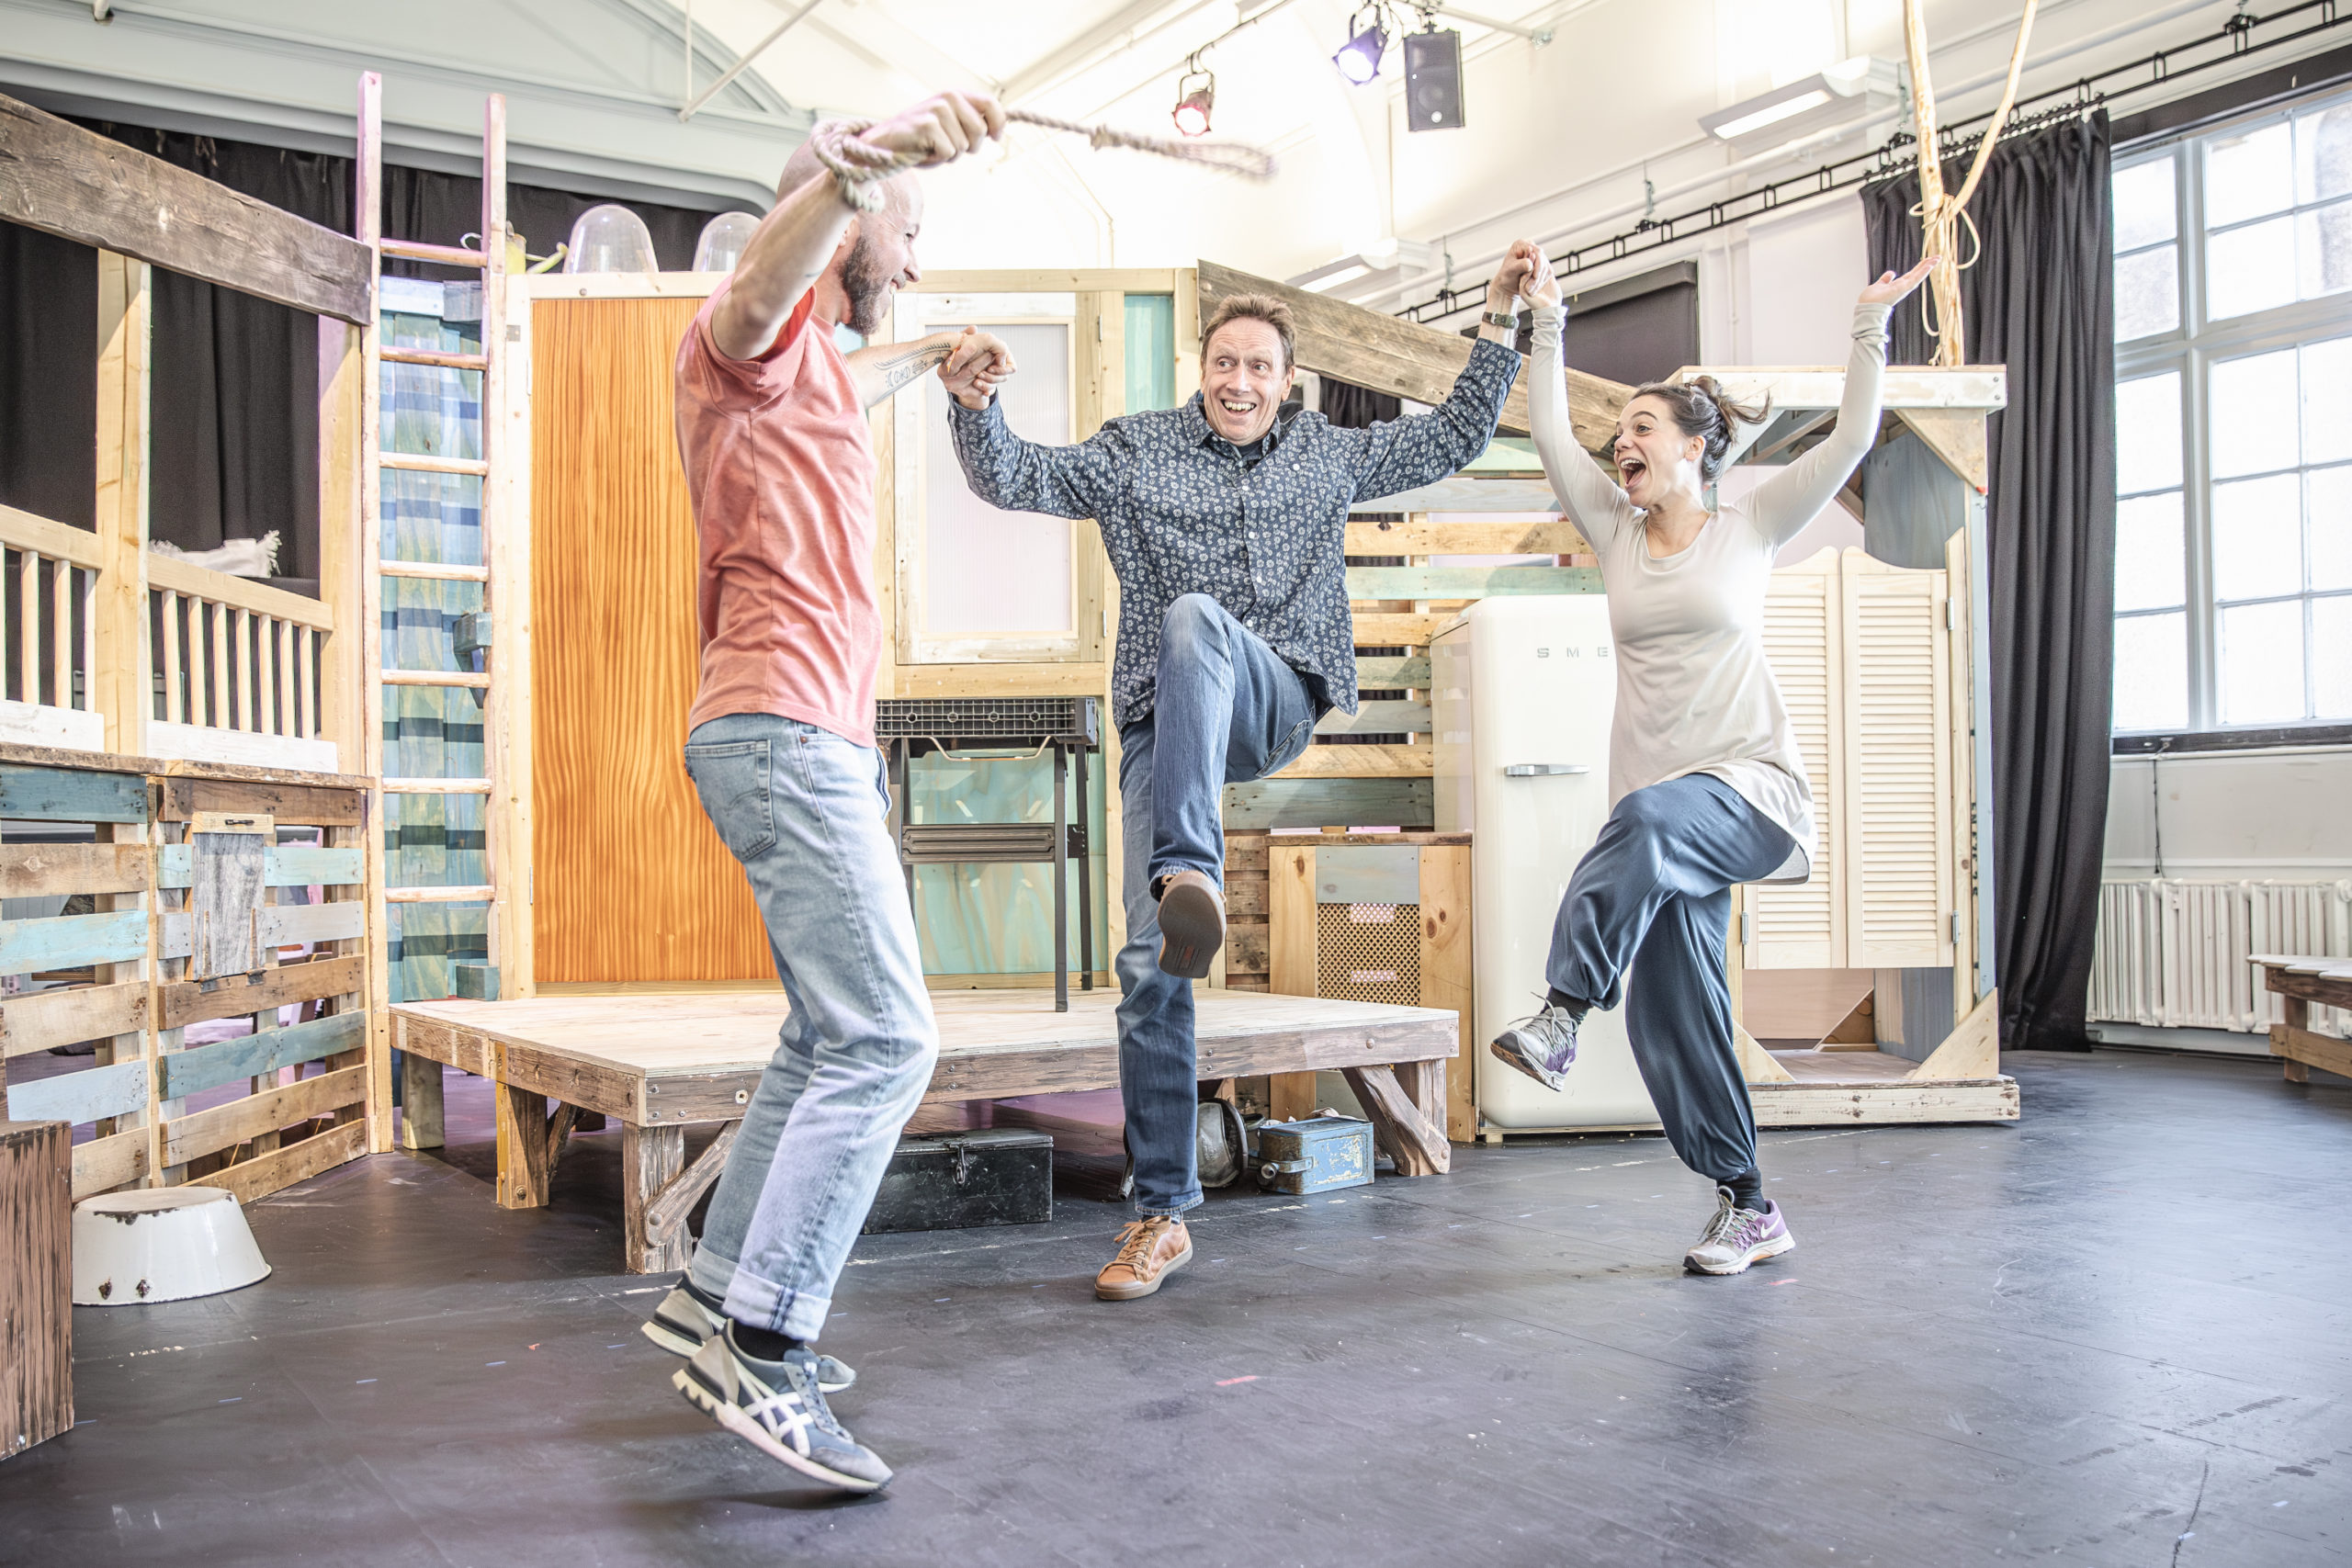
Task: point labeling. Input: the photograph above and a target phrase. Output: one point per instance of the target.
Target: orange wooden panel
(632, 882)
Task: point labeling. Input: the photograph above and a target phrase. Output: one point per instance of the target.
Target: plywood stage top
(685, 1057)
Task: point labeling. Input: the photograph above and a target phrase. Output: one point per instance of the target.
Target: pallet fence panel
(248, 1079)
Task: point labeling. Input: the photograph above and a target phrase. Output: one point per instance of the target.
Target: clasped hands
(976, 364)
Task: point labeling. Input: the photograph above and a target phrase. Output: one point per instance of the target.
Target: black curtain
(2040, 300)
(233, 440)
(1350, 407)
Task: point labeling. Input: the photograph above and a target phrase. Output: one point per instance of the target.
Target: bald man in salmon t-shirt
(772, 429)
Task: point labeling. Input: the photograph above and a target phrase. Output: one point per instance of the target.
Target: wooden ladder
(503, 574)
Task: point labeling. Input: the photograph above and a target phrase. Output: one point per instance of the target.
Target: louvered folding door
(1862, 655)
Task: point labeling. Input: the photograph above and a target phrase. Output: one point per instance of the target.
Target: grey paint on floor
(2115, 1334)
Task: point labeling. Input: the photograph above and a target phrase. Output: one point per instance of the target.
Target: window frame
(2192, 347)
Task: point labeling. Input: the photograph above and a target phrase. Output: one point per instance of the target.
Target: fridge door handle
(1541, 770)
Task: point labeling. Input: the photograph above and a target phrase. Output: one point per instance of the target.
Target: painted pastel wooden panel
(631, 882)
(288, 865)
(63, 795)
(68, 942)
(280, 927)
(208, 1066)
(85, 1096)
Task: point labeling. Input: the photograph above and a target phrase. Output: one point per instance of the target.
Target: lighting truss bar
(2233, 40)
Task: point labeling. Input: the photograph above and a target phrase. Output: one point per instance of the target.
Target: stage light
(1359, 58)
(1195, 96)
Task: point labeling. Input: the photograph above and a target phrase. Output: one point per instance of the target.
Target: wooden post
(422, 1125)
(522, 1146)
(651, 1157)
(1448, 980)
(36, 1287)
(360, 659)
(1290, 960)
(2297, 1014)
(118, 686)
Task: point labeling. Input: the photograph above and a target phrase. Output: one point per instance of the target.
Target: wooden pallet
(2300, 980)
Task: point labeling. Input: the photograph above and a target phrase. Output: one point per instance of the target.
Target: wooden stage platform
(659, 1064)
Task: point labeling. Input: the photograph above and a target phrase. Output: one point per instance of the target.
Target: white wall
(2226, 815)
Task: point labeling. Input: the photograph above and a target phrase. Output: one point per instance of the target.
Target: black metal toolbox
(989, 1175)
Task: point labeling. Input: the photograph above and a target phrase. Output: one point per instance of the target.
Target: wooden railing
(48, 625)
(235, 654)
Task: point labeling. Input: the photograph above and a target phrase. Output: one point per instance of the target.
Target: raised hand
(1517, 265)
(939, 129)
(1890, 290)
(1542, 285)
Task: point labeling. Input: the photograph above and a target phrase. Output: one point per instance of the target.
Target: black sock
(762, 1343)
(713, 1303)
(1560, 998)
(1747, 1190)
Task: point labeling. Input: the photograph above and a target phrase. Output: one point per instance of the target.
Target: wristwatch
(1496, 319)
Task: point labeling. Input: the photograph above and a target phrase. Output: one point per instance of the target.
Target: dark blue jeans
(1653, 894)
(1227, 709)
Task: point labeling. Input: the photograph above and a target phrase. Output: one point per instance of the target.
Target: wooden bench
(660, 1064)
(2300, 980)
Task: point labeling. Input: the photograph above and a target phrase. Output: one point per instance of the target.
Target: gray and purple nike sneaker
(1737, 1237)
(1542, 1046)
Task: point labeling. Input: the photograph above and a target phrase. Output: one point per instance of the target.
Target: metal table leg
(1085, 880)
(1061, 885)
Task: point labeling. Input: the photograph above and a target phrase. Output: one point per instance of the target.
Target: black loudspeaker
(1433, 81)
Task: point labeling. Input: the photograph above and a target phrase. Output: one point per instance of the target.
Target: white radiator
(2173, 953)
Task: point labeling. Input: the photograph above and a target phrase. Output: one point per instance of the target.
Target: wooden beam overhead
(64, 180)
(1388, 353)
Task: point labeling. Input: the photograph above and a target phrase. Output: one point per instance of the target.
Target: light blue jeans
(804, 811)
(1226, 710)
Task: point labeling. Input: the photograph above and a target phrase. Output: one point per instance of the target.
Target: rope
(1939, 212)
(859, 166)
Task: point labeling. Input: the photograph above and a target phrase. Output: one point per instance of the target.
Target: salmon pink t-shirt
(781, 471)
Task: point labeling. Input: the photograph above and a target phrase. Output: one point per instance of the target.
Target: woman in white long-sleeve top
(1706, 786)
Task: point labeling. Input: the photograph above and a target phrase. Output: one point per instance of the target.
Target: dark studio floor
(2120, 1333)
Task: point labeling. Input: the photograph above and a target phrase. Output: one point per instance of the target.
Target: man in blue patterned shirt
(1226, 524)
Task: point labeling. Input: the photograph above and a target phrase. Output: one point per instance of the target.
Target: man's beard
(867, 284)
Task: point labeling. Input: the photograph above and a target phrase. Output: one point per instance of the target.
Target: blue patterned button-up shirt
(1181, 511)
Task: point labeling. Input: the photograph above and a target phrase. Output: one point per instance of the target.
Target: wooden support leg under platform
(522, 1146)
(421, 1126)
(665, 1216)
(652, 1158)
(1290, 1096)
(1407, 1124)
(2298, 1017)
(559, 1127)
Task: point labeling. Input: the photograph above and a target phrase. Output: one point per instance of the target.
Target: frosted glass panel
(2150, 568)
(2331, 658)
(2255, 415)
(2327, 498)
(2248, 176)
(2258, 537)
(2147, 293)
(2262, 663)
(2147, 434)
(988, 572)
(2146, 210)
(2327, 401)
(2250, 269)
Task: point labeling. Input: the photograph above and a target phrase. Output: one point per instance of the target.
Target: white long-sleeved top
(1694, 694)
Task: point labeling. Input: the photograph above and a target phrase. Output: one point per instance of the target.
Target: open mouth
(1238, 410)
(1632, 470)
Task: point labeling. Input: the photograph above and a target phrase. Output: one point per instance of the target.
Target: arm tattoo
(897, 369)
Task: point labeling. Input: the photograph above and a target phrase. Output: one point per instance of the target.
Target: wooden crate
(36, 1283)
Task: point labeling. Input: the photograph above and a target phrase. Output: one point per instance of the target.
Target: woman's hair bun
(1701, 408)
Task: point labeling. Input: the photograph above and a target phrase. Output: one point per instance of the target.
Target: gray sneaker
(777, 1408)
(1737, 1237)
(1542, 1046)
(686, 1319)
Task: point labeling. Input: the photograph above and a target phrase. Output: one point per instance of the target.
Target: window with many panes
(2233, 425)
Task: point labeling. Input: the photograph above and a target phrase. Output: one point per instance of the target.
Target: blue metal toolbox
(1314, 1155)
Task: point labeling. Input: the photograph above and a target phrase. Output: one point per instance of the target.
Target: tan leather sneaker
(1149, 1250)
(1191, 924)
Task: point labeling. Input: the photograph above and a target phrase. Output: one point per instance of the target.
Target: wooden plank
(1469, 490)
(29, 531)
(238, 593)
(1447, 977)
(1806, 1104)
(119, 686)
(195, 1001)
(60, 795)
(2300, 1044)
(1379, 718)
(1756, 1063)
(47, 871)
(1289, 964)
(224, 904)
(1385, 672)
(68, 942)
(85, 1096)
(1401, 628)
(1982, 388)
(36, 1304)
(666, 1213)
(104, 1164)
(282, 925)
(423, 1125)
(651, 1157)
(184, 1073)
(1468, 581)
(64, 180)
(1074, 680)
(522, 1146)
(1284, 802)
(1418, 535)
(1413, 761)
(1973, 1050)
(304, 806)
(289, 866)
(1956, 435)
(1415, 1145)
(2327, 992)
(71, 1014)
(560, 1126)
(254, 1179)
(1386, 354)
(224, 1126)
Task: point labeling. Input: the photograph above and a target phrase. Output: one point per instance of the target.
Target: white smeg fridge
(1521, 691)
